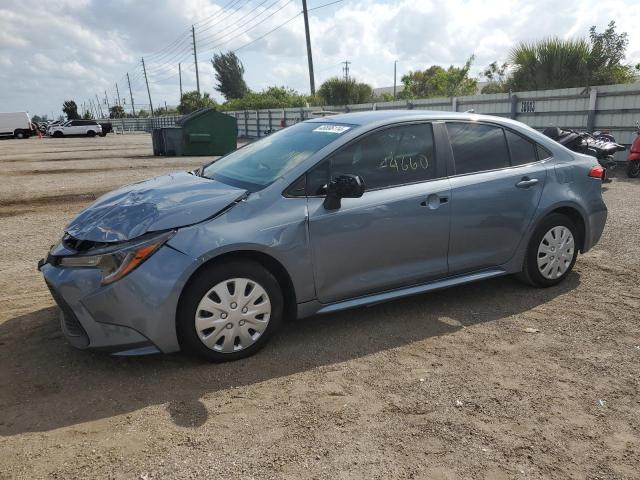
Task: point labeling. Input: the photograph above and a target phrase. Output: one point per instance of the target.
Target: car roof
(390, 116)
(377, 118)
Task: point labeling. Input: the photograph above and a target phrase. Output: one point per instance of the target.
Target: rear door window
(477, 147)
(522, 150)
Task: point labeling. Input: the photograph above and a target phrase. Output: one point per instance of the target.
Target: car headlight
(118, 260)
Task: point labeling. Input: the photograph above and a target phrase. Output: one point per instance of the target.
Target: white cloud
(52, 51)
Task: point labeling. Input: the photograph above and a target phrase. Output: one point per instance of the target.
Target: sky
(78, 49)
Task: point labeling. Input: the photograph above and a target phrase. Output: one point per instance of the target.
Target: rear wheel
(20, 134)
(633, 169)
(58, 134)
(91, 133)
(551, 253)
(229, 311)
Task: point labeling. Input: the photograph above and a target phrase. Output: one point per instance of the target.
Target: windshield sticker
(331, 128)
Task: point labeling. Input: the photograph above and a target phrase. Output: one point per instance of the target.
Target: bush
(272, 97)
(338, 91)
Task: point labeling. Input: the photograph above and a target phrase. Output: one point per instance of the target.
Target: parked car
(15, 124)
(90, 128)
(107, 127)
(633, 159)
(329, 214)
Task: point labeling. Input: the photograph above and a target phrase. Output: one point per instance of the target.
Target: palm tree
(550, 63)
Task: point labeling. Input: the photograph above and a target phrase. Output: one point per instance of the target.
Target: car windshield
(260, 163)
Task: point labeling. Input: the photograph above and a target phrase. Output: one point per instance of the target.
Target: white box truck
(16, 124)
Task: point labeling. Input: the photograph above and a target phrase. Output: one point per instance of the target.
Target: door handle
(527, 182)
(434, 201)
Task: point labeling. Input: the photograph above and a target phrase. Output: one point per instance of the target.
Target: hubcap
(233, 315)
(555, 252)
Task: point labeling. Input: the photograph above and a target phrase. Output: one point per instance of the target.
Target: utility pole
(394, 78)
(99, 106)
(195, 57)
(144, 69)
(118, 94)
(93, 112)
(180, 75)
(133, 107)
(106, 98)
(346, 69)
(312, 82)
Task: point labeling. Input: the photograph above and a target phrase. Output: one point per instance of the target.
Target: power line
(325, 5)
(216, 45)
(226, 16)
(268, 33)
(207, 19)
(216, 38)
(164, 60)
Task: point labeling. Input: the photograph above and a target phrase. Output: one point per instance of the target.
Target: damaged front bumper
(134, 315)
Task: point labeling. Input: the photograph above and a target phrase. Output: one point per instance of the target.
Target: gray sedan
(329, 214)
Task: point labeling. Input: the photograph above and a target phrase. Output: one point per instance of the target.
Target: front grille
(78, 245)
(72, 325)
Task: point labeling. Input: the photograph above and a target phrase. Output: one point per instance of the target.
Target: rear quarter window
(543, 152)
(523, 151)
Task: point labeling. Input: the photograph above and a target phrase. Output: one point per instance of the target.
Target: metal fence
(612, 107)
(141, 124)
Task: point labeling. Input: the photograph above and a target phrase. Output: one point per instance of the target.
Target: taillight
(597, 172)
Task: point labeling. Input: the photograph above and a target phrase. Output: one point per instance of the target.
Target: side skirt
(310, 308)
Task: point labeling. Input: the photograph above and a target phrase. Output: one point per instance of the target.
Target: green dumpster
(208, 132)
(203, 132)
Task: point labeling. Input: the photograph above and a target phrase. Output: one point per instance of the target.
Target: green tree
(435, 81)
(36, 118)
(70, 109)
(272, 97)
(229, 74)
(87, 115)
(339, 91)
(159, 112)
(116, 111)
(608, 50)
(550, 63)
(555, 63)
(496, 74)
(192, 101)
(142, 114)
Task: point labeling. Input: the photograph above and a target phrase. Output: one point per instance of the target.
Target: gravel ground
(447, 385)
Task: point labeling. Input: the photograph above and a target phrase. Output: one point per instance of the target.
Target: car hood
(160, 203)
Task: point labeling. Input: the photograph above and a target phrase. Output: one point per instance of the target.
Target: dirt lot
(440, 386)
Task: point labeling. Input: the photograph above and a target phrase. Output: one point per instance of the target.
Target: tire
(91, 133)
(633, 169)
(20, 134)
(540, 274)
(58, 134)
(199, 318)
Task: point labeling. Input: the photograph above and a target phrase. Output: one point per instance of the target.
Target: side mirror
(344, 186)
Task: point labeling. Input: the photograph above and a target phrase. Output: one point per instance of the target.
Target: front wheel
(633, 169)
(229, 311)
(551, 253)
